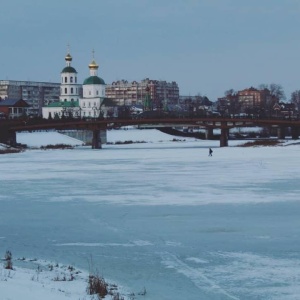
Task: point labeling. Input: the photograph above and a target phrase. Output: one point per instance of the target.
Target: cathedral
(71, 103)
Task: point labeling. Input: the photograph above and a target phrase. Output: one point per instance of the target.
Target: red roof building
(13, 108)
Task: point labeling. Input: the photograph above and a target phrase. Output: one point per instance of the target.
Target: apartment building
(36, 94)
(250, 100)
(161, 92)
(253, 98)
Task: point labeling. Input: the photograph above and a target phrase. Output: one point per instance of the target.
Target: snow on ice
(160, 215)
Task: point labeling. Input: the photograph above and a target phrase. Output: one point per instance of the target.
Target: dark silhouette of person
(210, 152)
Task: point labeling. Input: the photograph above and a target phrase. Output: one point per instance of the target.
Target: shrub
(57, 146)
(8, 151)
(8, 260)
(97, 285)
(117, 297)
(262, 143)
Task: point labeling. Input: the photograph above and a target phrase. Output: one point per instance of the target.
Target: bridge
(9, 128)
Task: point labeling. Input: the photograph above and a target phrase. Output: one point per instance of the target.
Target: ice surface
(161, 215)
(37, 139)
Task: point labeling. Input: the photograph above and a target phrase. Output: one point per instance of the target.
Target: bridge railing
(165, 118)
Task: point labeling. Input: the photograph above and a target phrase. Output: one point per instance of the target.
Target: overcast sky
(206, 46)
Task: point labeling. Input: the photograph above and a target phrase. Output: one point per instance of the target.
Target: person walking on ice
(210, 152)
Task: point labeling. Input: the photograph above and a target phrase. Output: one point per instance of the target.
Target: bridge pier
(12, 138)
(96, 141)
(295, 133)
(209, 133)
(281, 132)
(9, 138)
(224, 137)
(85, 135)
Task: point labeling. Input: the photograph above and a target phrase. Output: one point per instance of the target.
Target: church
(70, 103)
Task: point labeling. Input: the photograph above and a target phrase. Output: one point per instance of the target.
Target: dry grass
(97, 285)
(258, 143)
(10, 150)
(57, 146)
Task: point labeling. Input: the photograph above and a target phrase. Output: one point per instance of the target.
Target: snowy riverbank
(160, 215)
(39, 279)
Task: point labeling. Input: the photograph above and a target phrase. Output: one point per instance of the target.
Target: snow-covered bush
(8, 265)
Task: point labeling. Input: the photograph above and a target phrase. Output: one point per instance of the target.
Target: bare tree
(276, 90)
(229, 92)
(295, 98)
(263, 86)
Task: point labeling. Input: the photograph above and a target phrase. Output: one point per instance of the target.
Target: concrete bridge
(8, 128)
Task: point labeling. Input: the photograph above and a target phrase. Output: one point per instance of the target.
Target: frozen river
(161, 215)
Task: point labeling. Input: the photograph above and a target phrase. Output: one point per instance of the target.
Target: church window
(65, 100)
(83, 104)
(71, 90)
(89, 104)
(97, 92)
(71, 79)
(72, 100)
(66, 90)
(89, 113)
(66, 79)
(90, 93)
(75, 79)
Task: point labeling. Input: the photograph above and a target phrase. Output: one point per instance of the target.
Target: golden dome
(93, 65)
(68, 57)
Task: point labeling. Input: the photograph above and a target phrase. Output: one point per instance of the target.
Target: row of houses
(248, 101)
(123, 93)
(253, 101)
(44, 99)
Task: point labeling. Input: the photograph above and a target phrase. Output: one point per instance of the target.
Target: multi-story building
(36, 94)
(161, 92)
(249, 101)
(253, 98)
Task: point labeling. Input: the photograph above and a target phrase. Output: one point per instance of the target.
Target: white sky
(206, 46)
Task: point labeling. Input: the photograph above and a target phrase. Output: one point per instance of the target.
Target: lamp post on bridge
(78, 112)
(98, 114)
(67, 112)
(64, 112)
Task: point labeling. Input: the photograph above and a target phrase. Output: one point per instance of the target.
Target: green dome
(69, 70)
(94, 80)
